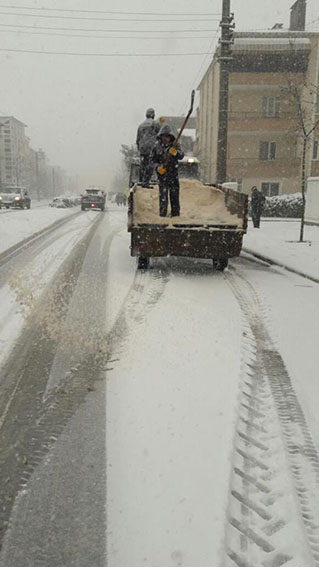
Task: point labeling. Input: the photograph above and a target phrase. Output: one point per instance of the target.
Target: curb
(280, 265)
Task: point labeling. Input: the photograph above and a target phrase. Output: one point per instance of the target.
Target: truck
(93, 198)
(212, 224)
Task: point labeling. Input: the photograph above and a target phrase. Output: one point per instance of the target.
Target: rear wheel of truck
(82, 208)
(221, 264)
(143, 263)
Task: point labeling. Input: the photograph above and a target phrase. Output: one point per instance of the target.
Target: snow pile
(200, 204)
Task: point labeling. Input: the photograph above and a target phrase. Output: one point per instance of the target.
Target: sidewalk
(278, 242)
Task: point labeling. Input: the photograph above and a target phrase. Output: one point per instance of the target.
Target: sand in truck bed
(200, 205)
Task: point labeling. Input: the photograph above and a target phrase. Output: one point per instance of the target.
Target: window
(270, 189)
(315, 151)
(270, 106)
(267, 150)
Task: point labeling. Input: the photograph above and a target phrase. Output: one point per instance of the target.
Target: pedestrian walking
(165, 157)
(257, 204)
(145, 140)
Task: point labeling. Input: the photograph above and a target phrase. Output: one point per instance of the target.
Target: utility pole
(225, 58)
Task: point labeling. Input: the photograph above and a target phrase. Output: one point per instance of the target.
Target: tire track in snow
(145, 291)
(23, 440)
(273, 513)
(33, 422)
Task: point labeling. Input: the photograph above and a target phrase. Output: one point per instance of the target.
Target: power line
(104, 30)
(205, 58)
(106, 11)
(209, 53)
(103, 54)
(106, 19)
(102, 36)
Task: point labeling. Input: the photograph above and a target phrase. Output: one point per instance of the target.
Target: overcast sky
(80, 109)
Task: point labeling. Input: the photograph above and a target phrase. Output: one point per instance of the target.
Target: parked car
(14, 196)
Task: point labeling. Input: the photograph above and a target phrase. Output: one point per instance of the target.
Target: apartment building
(264, 135)
(22, 165)
(15, 148)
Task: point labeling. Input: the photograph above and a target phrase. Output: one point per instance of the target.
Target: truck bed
(201, 205)
(212, 223)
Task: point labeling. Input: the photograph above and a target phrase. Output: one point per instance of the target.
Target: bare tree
(128, 152)
(120, 181)
(303, 97)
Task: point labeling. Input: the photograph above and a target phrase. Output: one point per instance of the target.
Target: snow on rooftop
(270, 43)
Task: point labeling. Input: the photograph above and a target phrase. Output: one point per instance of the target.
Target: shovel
(162, 169)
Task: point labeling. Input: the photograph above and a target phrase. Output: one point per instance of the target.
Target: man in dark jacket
(257, 204)
(165, 157)
(145, 140)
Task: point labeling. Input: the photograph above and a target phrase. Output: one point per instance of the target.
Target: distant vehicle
(188, 167)
(93, 198)
(15, 197)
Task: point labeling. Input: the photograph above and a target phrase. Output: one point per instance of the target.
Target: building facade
(15, 148)
(268, 72)
(22, 165)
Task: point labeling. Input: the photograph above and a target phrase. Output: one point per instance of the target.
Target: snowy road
(155, 418)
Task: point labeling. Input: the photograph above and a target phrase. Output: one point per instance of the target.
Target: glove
(172, 151)
(161, 170)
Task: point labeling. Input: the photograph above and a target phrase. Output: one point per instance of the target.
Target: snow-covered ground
(171, 409)
(193, 459)
(172, 404)
(22, 285)
(278, 240)
(16, 225)
(290, 309)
